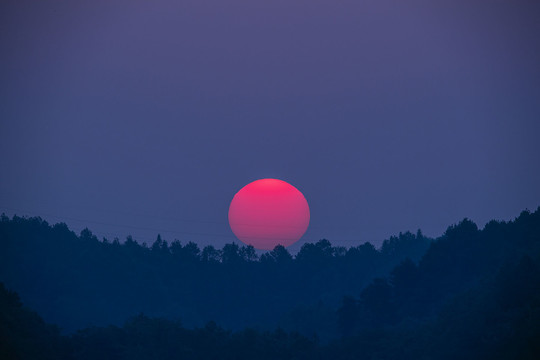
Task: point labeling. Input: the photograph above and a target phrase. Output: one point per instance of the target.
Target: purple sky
(139, 117)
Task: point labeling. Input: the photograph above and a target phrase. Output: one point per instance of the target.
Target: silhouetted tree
(210, 254)
(279, 255)
(247, 253)
(160, 245)
(188, 254)
(231, 254)
(315, 254)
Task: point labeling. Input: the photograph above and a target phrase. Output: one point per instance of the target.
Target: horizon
(292, 249)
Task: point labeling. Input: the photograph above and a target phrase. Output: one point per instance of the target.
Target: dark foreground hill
(475, 294)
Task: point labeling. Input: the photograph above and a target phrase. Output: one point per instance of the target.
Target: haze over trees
(78, 280)
(471, 293)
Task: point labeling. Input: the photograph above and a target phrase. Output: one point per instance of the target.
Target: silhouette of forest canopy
(77, 281)
(471, 293)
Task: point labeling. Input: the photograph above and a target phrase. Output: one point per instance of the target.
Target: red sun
(269, 212)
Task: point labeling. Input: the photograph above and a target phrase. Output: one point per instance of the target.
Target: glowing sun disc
(269, 212)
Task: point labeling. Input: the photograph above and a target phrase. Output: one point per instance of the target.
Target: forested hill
(463, 258)
(79, 280)
(474, 294)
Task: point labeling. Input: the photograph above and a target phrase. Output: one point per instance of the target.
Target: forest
(470, 293)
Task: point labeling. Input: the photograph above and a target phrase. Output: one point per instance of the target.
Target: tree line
(471, 293)
(79, 280)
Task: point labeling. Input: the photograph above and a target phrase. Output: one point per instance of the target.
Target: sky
(145, 117)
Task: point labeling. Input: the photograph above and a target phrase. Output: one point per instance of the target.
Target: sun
(269, 212)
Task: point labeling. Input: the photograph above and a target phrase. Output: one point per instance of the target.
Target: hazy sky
(139, 117)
